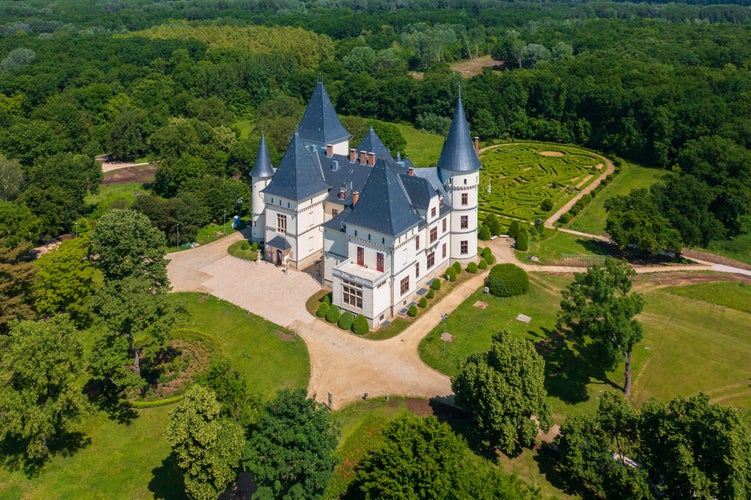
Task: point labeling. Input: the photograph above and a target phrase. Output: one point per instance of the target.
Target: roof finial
(460, 89)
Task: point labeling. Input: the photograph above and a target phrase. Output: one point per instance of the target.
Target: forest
(191, 85)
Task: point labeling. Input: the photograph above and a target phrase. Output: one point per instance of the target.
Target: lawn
(423, 148)
(114, 196)
(554, 245)
(738, 248)
(592, 218)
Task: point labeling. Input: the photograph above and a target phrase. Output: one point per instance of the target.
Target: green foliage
(507, 280)
(231, 390)
(486, 252)
(451, 274)
(634, 219)
(332, 316)
(346, 320)
(18, 224)
(323, 309)
(430, 294)
(522, 240)
(206, 446)
(236, 250)
(483, 264)
(493, 224)
(599, 309)
(483, 233)
(65, 281)
(423, 302)
(360, 325)
(457, 267)
(179, 217)
(472, 268)
(40, 400)
(513, 229)
(435, 284)
(412, 311)
(219, 197)
(11, 179)
(504, 388)
(17, 274)
(292, 446)
(546, 205)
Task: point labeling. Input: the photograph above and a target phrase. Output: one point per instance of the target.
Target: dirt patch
(474, 67)
(130, 175)
(419, 407)
(553, 154)
(480, 304)
(654, 281)
(715, 259)
(287, 337)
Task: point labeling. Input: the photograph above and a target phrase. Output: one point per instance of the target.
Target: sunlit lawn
(423, 148)
(738, 248)
(554, 244)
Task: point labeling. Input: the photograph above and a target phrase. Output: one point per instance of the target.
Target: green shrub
(360, 325)
(245, 246)
(423, 302)
(327, 298)
(564, 218)
(346, 320)
(546, 205)
(430, 294)
(513, 229)
(484, 233)
(323, 310)
(451, 274)
(585, 200)
(457, 267)
(492, 222)
(490, 259)
(333, 315)
(485, 252)
(254, 246)
(412, 311)
(483, 264)
(522, 241)
(507, 280)
(436, 284)
(472, 268)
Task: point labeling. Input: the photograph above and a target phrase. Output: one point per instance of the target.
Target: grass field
(592, 218)
(553, 244)
(423, 148)
(738, 248)
(115, 196)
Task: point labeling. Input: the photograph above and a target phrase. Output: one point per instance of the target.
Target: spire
(320, 124)
(262, 169)
(297, 177)
(373, 144)
(458, 153)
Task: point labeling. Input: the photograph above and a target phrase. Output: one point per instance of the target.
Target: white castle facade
(376, 228)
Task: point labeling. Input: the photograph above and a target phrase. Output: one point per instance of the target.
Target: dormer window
(432, 212)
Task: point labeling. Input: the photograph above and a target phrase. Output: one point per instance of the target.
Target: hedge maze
(521, 176)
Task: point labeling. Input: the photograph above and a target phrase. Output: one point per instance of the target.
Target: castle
(375, 228)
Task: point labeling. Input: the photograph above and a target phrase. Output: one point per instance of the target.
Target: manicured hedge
(412, 312)
(484, 233)
(333, 315)
(323, 309)
(457, 267)
(360, 325)
(451, 274)
(430, 294)
(522, 241)
(507, 280)
(472, 268)
(346, 320)
(436, 284)
(483, 264)
(423, 302)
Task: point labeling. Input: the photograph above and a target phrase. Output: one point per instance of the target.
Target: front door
(279, 257)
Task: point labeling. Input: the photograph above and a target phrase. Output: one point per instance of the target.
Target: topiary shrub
(436, 284)
(546, 205)
(430, 294)
(412, 311)
(513, 229)
(483, 264)
(564, 218)
(423, 302)
(245, 246)
(360, 325)
(486, 251)
(492, 222)
(490, 259)
(333, 315)
(451, 274)
(522, 241)
(472, 268)
(507, 280)
(484, 233)
(323, 310)
(457, 267)
(327, 298)
(346, 320)
(254, 246)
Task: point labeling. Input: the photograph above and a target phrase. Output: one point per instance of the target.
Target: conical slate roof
(262, 169)
(373, 144)
(320, 123)
(384, 206)
(297, 177)
(458, 153)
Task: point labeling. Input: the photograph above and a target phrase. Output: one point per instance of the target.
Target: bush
(484, 233)
(513, 229)
(254, 246)
(451, 274)
(323, 310)
(564, 218)
(546, 205)
(327, 298)
(360, 325)
(472, 268)
(412, 312)
(245, 246)
(507, 280)
(486, 251)
(483, 264)
(430, 294)
(436, 284)
(346, 320)
(522, 241)
(457, 267)
(492, 222)
(490, 259)
(333, 315)
(423, 302)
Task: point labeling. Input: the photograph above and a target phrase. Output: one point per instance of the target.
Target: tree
(484, 233)
(18, 224)
(11, 179)
(127, 137)
(505, 389)
(39, 398)
(231, 390)
(522, 240)
(17, 275)
(292, 447)
(634, 219)
(599, 310)
(207, 447)
(513, 229)
(493, 224)
(507, 280)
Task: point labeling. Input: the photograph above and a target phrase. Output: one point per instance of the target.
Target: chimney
(352, 155)
(363, 157)
(411, 171)
(342, 193)
(355, 198)
(477, 145)
(371, 159)
(329, 150)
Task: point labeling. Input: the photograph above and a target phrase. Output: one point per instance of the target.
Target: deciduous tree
(17, 274)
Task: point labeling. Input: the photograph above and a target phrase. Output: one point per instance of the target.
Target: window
(360, 256)
(431, 259)
(432, 212)
(417, 242)
(465, 198)
(404, 286)
(444, 225)
(281, 223)
(334, 212)
(464, 221)
(379, 261)
(443, 251)
(433, 234)
(464, 247)
(417, 269)
(352, 294)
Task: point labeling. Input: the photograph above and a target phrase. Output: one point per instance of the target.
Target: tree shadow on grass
(464, 424)
(14, 457)
(545, 458)
(104, 397)
(167, 480)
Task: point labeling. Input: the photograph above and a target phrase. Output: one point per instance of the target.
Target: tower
(459, 171)
(260, 177)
